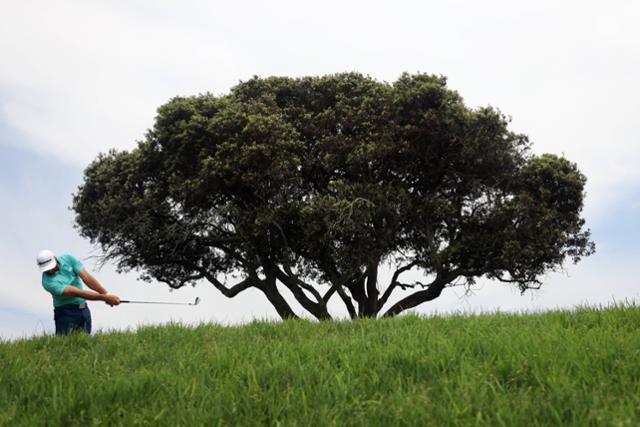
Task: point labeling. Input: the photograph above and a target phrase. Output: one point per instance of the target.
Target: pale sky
(78, 78)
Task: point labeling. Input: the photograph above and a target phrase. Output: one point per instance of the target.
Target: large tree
(314, 184)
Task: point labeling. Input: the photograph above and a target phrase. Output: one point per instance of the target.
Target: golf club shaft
(155, 302)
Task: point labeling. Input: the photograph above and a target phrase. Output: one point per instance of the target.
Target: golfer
(61, 278)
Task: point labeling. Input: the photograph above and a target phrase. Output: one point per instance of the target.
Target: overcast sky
(78, 78)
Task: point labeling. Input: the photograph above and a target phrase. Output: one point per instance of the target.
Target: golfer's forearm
(92, 282)
(71, 291)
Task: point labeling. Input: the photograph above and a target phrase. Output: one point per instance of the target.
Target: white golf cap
(46, 260)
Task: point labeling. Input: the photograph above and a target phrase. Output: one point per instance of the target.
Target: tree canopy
(314, 184)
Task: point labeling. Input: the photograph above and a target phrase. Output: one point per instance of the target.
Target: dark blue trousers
(72, 317)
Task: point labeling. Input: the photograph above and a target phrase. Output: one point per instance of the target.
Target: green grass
(577, 368)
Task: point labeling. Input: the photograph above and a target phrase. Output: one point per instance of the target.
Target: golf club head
(197, 301)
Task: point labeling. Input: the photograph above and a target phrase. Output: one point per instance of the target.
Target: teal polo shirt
(67, 275)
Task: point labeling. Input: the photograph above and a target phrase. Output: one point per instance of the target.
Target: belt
(80, 306)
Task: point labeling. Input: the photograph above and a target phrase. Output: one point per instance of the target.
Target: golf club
(196, 302)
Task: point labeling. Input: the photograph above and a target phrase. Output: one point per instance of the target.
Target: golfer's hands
(111, 299)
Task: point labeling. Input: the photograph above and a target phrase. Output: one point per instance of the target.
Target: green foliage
(556, 369)
(317, 182)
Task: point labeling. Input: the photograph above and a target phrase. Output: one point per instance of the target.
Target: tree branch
(336, 287)
(182, 282)
(327, 296)
(337, 282)
(432, 292)
(269, 288)
(318, 309)
(234, 290)
(394, 282)
(347, 302)
(303, 284)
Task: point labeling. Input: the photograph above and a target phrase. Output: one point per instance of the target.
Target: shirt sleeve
(75, 264)
(54, 288)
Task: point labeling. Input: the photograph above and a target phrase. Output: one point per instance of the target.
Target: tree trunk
(356, 288)
(371, 306)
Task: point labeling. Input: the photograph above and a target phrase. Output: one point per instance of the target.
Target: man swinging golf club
(63, 278)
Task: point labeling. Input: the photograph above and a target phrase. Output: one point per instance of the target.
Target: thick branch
(337, 287)
(327, 296)
(347, 302)
(234, 290)
(318, 309)
(394, 282)
(269, 288)
(432, 292)
(338, 282)
(303, 284)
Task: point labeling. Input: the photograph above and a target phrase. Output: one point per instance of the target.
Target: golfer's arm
(91, 282)
(72, 291)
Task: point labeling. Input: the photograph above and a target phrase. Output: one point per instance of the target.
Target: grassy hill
(560, 368)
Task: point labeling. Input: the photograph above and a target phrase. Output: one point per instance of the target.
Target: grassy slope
(560, 368)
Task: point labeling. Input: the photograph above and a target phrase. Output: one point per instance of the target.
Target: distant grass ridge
(576, 368)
